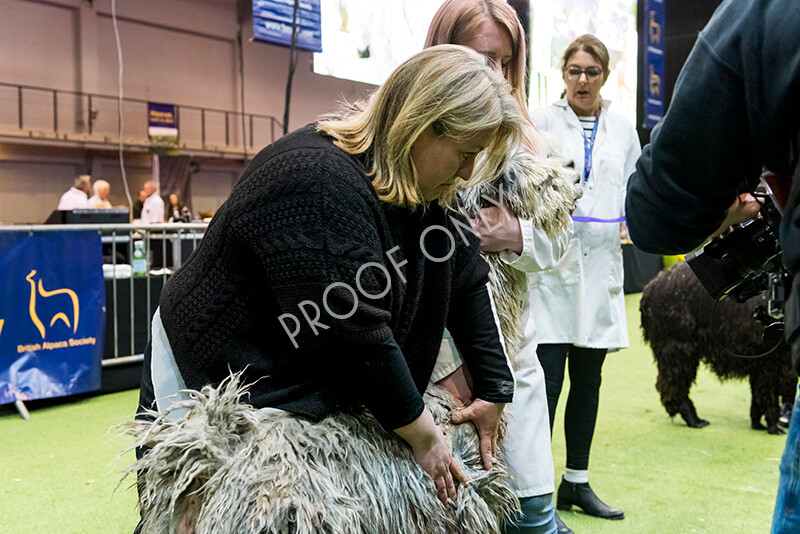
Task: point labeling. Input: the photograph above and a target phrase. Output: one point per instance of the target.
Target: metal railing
(166, 247)
(31, 111)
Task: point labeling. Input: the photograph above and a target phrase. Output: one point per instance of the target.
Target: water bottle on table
(139, 263)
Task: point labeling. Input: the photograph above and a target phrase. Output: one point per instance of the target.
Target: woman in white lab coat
(582, 295)
(493, 28)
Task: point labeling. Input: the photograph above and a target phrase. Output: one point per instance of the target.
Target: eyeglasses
(592, 73)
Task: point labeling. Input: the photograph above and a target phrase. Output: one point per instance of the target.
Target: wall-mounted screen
(364, 40)
(272, 22)
(554, 25)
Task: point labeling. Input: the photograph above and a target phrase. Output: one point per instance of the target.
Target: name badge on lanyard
(588, 146)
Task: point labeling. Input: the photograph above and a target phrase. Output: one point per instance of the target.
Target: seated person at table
(100, 198)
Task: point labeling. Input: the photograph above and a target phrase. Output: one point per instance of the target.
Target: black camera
(748, 260)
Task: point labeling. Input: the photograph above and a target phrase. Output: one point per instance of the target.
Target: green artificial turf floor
(58, 472)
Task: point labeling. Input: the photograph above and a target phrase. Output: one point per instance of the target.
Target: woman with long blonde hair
(319, 281)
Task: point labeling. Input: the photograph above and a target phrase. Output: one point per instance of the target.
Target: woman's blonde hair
(457, 21)
(449, 88)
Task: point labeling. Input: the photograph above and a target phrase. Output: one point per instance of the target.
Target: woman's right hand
(498, 229)
(432, 452)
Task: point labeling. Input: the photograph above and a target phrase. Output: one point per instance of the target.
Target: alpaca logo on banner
(60, 304)
(60, 315)
(52, 314)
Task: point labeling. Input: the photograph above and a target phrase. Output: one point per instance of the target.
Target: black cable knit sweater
(304, 216)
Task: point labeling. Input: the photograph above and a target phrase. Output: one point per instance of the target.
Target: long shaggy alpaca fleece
(535, 188)
(226, 467)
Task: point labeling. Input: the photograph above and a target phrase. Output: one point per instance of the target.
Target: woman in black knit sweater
(330, 273)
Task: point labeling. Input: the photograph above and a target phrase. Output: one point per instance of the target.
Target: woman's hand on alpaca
(459, 384)
(498, 230)
(486, 417)
(433, 453)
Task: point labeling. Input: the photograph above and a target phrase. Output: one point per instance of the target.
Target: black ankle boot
(581, 495)
(561, 528)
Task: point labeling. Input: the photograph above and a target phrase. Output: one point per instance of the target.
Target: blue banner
(162, 123)
(272, 22)
(653, 62)
(162, 115)
(52, 314)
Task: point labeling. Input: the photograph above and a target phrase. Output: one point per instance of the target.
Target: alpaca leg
(765, 398)
(787, 388)
(771, 414)
(755, 411)
(689, 414)
(677, 370)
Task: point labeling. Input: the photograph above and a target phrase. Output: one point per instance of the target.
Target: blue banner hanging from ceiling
(653, 62)
(52, 314)
(162, 123)
(272, 22)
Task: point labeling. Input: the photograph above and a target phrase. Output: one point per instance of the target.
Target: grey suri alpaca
(536, 188)
(226, 467)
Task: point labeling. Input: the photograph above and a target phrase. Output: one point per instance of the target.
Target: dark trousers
(580, 414)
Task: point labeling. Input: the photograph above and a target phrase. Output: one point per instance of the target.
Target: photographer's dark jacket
(303, 233)
(735, 109)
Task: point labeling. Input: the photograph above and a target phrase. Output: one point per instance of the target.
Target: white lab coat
(73, 199)
(527, 441)
(582, 295)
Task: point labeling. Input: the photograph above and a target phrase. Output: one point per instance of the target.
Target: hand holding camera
(747, 260)
(744, 208)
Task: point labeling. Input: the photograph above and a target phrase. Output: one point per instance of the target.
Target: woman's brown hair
(457, 21)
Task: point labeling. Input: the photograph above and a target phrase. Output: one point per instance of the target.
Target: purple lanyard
(588, 145)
